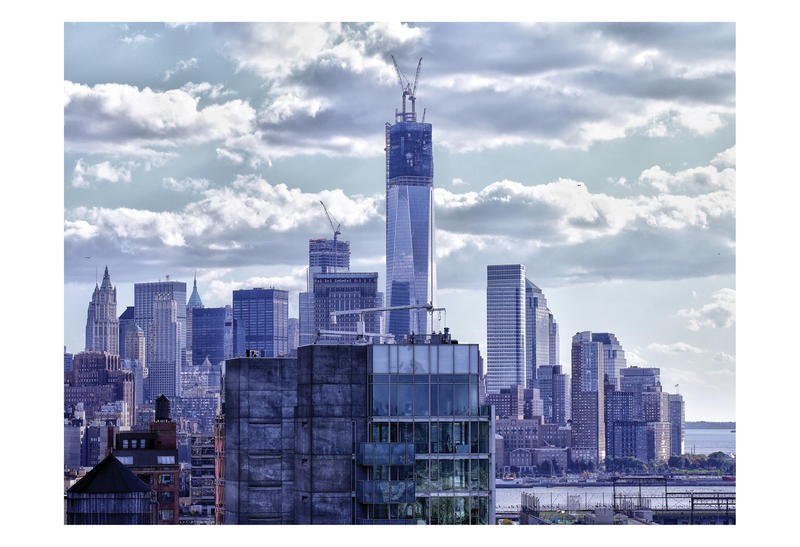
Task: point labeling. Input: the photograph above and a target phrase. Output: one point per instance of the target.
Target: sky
(602, 156)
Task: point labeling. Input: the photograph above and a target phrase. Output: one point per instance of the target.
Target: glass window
(446, 359)
(405, 398)
(421, 509)
(461, 437)
(460, 474)
(421, 480)
(461, 399)
(474, 471)
(127, 460)
(461, 359)
(380, 399)
(446, 474)
(460, 510)
(436, 481)
(421, 407)
(473, 399)
(473, 437)
(407, 432)
(434, 400)
(473, 360)
(380, 433)
(124, 443)
(393, 400)
(445, 510)
(445, 399)
(393, 359)
(474, 510)
(166, 460)
(484, 437)
(421, 438)
(421, 360)
(405, 356)
(445, 438)
(483, 475)
(380, 359)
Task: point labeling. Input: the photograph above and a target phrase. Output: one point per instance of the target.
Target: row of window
(433, 510)
(459, 437)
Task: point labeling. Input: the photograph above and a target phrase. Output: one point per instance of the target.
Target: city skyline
(217, 151)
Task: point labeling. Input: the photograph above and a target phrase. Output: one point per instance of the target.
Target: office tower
(655, 405)
(362, 434)
(109, 494)
(165, 352)
(658, 441)
(212, 335)
(537, 332)
(637, 380)
(613, 356)
(126, 322)
(505, 327)
(262, 317)
(588, 404)
(145, 295)
(324, 256)
(153, 457)
(622, 419)
(677, 419)
(293, 334)
(67, 361)
(193, 303)
(341, 292)
(410, 274)
(102, 326)
(555, 390)
(555, 352)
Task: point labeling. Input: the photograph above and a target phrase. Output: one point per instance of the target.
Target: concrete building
(97, 379)
(629, 440)
(588, 403)
(358, 434)
(655, 405)
(261, 319)
(505, 327)
(341, 292)
(518, 434)
(324, 256)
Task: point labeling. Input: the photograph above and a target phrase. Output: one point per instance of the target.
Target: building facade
(212, 335)
(555, 390)
(588, 404)
(410, 268)
(261, 318)
(324, 256)
(505, 327)
(102, 325)
(677, 420)
(346, 291)
(613, 356)
(537, 332)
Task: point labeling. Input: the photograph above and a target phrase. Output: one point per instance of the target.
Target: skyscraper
(588, 404)
(144, 296)
(346, 291)
(212, 335)
(410, 274)
(537, 332)
(164, 359)
(262, 321)
(102, 325)
(555, 390)
(613, 356)
(677, 420)
(126, 322)
(194, 303)
(324, 256)
(505, 327)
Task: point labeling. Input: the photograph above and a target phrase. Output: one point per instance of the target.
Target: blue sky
(601, 156)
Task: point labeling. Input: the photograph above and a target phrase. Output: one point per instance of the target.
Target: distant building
(629, 440)
(677, 420)
(262, 317)
(555, 390)
(505, 327)
(96, 379)
(324, 256)
(102, 326)
(537, 332)
(518, 434)
(109, 494)
(194, 303)
(293, 335)
(637, 380)
(588, 403)
(67, 361)
(658, 441)
(342, 292)
(613, 356)
(212, 335)
(153, 457)
(202, 478)
(655, 405)
(620, 406)
(126, 323)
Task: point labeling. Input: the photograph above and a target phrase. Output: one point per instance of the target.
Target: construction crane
(360, 331)
(335, 226)
(408, 90)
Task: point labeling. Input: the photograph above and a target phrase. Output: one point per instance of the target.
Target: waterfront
(707, 441)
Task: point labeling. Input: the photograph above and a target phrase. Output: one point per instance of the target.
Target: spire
(106, 280)
(194, 299)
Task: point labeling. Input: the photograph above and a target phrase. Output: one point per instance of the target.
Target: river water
(706, 441)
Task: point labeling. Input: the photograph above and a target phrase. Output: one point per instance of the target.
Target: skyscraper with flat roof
(613, 356)
(410, 275)
(262, 321)
(505, 327)
(346, 291)
(677, 419)
(324, 256)
(588, 404)
(537, 331)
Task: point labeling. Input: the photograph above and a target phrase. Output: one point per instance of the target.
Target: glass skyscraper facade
(410, 274)
(537, 332)
(613, 356)
(506, 334)
(261, 319)
(588, 403)
(212, 335)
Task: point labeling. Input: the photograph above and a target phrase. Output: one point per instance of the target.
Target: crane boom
(336, 230)
(399, 75)
(416, 78)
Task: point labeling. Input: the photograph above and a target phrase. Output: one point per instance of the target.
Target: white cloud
(677, 347)
(228, 155)
(457, 182)
(123, 118)
(84, 174)
(137, 38)
(720, 313)
(723, 357)
(726, 158)
(212, 91)
(702, 120)
(181, 66)
(696, 180)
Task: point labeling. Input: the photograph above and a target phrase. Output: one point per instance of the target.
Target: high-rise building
(102, 325)
(505, 327)
(677, 419)
(613, 356)
(294, 335)
(159, 340)
(261, 317)
(96, 379)
(537, 332)
(555, 389)
(194, 302)
(364, 434)
(324, 256)
(588, 404)
(410, 273)
(164, 360)
(212, 335)
(555, 353)
(342, 292)
(638, 380)
(67, 361)
(126, 323)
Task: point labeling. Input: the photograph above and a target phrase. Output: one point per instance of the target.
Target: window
(127, 460)
(165, 460)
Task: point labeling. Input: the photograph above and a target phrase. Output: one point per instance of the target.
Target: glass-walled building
(430, 448)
